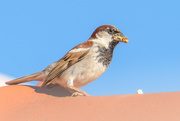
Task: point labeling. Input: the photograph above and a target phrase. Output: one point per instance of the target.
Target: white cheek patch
(78, 49)
(103, 38)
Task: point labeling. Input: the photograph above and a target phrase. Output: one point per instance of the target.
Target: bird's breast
(85, 71)
(88, 69)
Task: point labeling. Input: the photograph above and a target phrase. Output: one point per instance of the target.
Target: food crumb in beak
(125, 40)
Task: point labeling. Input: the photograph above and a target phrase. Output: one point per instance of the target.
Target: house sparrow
(82, 64)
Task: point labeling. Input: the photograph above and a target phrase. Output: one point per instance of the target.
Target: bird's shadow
(58, 91)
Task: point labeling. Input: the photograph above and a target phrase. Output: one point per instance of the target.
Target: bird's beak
(120, 38)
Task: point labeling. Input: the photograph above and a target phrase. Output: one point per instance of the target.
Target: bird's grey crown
(103, 28)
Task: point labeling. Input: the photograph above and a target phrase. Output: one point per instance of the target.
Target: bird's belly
(82, 73)
(88, 75)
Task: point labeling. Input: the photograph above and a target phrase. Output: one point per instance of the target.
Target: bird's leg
(78, 92)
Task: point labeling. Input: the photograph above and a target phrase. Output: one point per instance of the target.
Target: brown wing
(67, 61)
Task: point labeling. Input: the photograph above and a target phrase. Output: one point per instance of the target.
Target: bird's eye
(110, 31)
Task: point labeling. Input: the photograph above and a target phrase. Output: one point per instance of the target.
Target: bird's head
(106, 34)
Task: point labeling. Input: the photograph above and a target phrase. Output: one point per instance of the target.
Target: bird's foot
(78, 94)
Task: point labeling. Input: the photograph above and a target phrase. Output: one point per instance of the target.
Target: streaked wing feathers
(68, 60)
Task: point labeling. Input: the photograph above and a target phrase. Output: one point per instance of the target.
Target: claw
(78, 94)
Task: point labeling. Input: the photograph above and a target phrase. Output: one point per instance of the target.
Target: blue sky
(35, 33)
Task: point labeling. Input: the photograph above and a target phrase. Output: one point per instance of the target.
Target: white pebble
(139, 91)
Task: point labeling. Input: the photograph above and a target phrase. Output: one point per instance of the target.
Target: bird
(82, 64)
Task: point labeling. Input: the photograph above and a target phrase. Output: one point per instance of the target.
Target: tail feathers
(23, 79)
